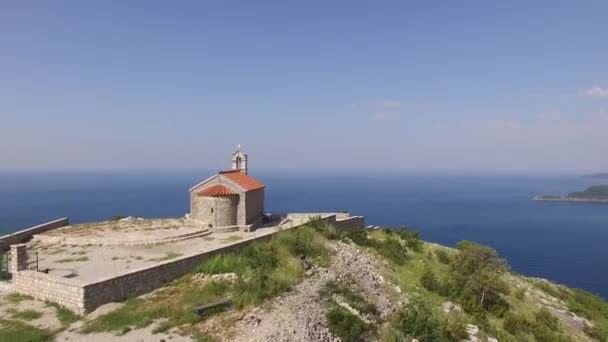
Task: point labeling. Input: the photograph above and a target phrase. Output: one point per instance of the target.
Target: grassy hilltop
(313, 283)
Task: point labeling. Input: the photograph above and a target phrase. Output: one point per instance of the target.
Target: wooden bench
(224, 304)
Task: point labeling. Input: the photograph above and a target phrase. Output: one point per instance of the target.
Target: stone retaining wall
(138, 282)
(65, 292)
(23, 235)
(353, 222)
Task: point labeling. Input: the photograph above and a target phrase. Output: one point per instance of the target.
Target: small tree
(478, 272)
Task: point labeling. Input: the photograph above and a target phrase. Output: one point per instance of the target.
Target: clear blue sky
(366, 85)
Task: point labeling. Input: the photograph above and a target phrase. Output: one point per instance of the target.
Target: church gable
(217, 180)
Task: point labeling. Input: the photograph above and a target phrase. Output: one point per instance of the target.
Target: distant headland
(595, 193)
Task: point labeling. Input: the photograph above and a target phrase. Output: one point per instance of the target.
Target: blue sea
(565, 242)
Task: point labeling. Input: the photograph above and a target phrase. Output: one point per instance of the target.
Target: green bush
(443, 256)
(358, 236)
(598, 333)
(587, 304)
(411, 238)
(346, 325)
(303, 242)
(261, 257)
(391, 249)
(545, 327)
(454, 327)
(545, 318)
(516, 323)
(117, 217)
(429, 280)
(415, 321)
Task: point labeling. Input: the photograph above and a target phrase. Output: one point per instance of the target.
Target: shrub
(302, 242)
(545, 318)
(346, 325)
(597, 333)
(587, 304)
(391, 249)
(454, 327)
(520, 293)
(443, 256)
(416, 321)
(117, 217)
(262, 257)
(516, 323)
(412, 239)
(358, 236)
(429, 280)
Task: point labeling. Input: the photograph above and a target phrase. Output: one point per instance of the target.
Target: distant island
(595, 193)
(597, 176)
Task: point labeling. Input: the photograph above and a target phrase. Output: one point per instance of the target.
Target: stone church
(229, 198)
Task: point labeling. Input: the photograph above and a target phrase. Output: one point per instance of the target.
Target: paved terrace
(94, 251)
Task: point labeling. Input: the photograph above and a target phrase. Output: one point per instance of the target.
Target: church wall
(217, 211)
(254, 205)
(225, 211)
(198, 209)
(242, 209)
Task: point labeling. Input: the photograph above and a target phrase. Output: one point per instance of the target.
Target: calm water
(566, 242)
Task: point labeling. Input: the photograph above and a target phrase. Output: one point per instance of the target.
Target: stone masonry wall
(42, 286)
(254, 205)
(353, 222)
(23, 235)
(142, 281)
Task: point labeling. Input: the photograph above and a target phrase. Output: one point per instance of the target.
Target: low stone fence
(23, 235)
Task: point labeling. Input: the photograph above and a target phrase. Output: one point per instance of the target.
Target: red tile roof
(216, 191)
(247, 182)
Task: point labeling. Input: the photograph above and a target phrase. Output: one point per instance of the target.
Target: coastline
(570, 199)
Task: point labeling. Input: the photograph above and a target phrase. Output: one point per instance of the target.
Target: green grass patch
(79, 259)
(18, 297)
(16, 331)
(65, 316)
(26, 315)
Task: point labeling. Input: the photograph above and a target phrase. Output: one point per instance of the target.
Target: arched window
(238, 162)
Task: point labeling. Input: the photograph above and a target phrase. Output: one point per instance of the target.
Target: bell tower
(239, 160)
